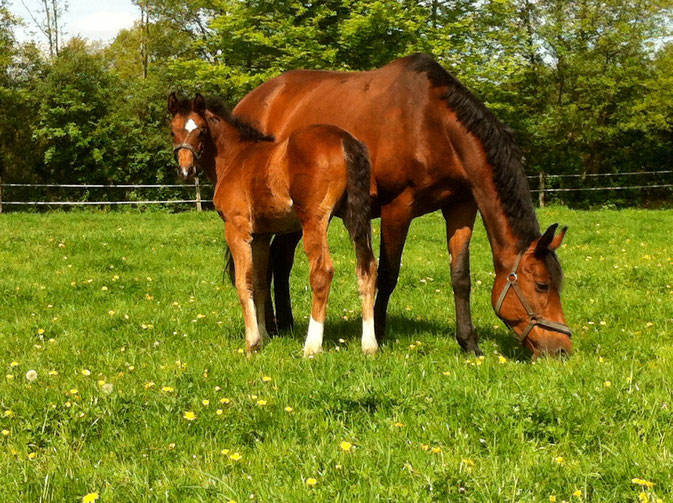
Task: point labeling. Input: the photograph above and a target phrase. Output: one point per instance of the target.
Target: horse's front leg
(260, 261)
(459, 224)
(241, 250)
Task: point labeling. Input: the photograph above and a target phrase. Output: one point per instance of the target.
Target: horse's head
(527, 296)
(189, 130)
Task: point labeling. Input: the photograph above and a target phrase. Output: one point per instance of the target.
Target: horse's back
(396, 110)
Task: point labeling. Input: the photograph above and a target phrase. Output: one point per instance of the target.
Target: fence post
(198, 193)
(541, 186)
(0, 194)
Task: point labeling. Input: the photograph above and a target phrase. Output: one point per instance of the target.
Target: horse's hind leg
(282, 259)
(321, 270)
(260, 261)
(459, 224)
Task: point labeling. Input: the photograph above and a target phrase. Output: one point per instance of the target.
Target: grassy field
(124, 374)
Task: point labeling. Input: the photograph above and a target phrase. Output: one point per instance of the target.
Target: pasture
(141, 390)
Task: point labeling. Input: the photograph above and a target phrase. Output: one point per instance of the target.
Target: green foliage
(586, 85)
(427, 422)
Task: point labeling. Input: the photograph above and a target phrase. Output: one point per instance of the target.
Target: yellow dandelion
(5, 433)
(205, 402)
(14, 364)
(149, 384)
(400, 425)
(642, 482)
(642, 497)
(311, 482)
(224, 451)
(104, 288)
(53, 372)
(32, 455)
(40, 331)
(502, 359)
(9, 376)
(552, 499)
(261, 403)
(101, 383)
(90, 498)
(225, 400)
(559, 460)
(436, 450)
(288, 409)
(266, 379)
(73, 391)
(219, 412)
(235, 456)
(577, 493)
(171, 446)
(68, 404)
(8, 413)
(167, 389)
(607, 384)
(346, 446)
(189, 416)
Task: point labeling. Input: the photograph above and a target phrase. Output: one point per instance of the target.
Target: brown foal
(266, 187)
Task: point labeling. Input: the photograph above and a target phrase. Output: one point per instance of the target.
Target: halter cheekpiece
(533, 318)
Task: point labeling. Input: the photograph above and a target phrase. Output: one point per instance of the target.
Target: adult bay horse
(264, 187)
(434, 146)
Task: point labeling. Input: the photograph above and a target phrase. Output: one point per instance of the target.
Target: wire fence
(545, 185)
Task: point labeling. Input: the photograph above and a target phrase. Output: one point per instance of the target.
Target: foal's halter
(195, 153)
(533, 318)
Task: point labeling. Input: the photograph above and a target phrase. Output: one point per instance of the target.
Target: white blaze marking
(190, 125)
(369, 344)
(313, 343)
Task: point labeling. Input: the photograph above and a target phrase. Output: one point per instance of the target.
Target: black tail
(358, 201)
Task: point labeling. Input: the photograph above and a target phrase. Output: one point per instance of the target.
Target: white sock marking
(190, 125)
(369, 344)
(313, 343)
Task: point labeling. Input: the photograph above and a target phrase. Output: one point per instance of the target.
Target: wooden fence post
(198, 193)
(541, 186)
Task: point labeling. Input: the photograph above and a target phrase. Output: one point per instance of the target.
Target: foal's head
(189, 130)
(527, 297)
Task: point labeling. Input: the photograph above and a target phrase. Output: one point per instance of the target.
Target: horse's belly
(276, 219)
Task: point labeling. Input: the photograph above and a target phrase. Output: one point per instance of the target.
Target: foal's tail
(358, 200)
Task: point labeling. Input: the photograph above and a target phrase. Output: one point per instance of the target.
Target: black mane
(498, 142)
(217, 106)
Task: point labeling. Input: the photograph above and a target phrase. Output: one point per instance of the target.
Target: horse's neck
(502, 235)
(227, 144)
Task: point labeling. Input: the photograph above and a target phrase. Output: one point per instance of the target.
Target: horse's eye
(202, 132)
(172, 134)
(541, 287)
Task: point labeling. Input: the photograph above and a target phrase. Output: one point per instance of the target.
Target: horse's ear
(173, 103)
(199, 104)
(558, 239)
(544, 243)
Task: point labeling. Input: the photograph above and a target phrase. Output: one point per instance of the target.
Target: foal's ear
(199, 104)
(173, 103)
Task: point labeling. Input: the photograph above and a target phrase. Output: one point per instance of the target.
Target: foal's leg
(322, 271)
(260, 262)
(366, 272)
(241, 251)
(395, 220)
(459, 224)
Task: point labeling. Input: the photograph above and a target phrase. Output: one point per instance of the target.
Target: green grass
(425, 421)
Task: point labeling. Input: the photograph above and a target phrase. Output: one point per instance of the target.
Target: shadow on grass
(407, 329)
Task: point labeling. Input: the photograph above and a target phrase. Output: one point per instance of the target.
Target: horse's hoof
(254, 347)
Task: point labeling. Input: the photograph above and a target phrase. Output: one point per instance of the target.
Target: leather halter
(196, 153)
(533, 318)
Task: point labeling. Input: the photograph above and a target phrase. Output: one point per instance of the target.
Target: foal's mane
(218, 107)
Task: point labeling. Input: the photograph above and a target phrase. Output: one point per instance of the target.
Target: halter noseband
(534, 319)
(196, 153)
